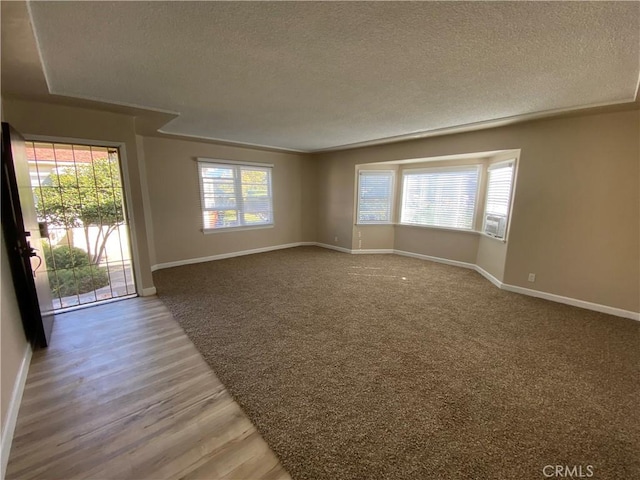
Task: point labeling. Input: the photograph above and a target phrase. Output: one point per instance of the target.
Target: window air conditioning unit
(495, 225)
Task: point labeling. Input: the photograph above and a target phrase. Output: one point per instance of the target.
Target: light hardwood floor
(123, 393)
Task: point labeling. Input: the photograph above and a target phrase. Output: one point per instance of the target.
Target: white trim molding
(618, 312)
(149, 292)
(218, 161)
(446, 261)
(480, 125)
(373, 251)
(222, 256)
(332, 247)
(489, 277)
(14, 407)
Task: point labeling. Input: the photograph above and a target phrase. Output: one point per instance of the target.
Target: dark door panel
(23, 239)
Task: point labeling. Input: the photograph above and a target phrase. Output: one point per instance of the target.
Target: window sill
(208, 231)
(431, 227)
(501, 240)
(381, 224)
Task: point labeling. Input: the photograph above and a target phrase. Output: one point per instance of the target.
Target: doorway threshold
(93, 304)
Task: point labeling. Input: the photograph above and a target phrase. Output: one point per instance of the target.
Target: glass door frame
(127, 200)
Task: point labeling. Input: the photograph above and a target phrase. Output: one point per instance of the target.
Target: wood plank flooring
(122, 393)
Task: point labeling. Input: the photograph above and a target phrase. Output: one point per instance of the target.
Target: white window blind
(235, 195)
(440, 197)
(499, 189)
(375, 192)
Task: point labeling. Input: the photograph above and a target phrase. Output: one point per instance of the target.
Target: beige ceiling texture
(311, 76)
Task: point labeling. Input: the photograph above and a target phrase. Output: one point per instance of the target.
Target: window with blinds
(498, 202)
(440, 197)
(375, 196)
(235, 195)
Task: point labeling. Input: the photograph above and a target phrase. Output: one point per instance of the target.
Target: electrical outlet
(335, 239)
(532, 277)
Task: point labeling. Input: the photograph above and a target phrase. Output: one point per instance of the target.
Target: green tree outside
(84, 196)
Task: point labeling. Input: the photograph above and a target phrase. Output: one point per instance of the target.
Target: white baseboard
(149, 292)
(373, 251)
(222, 256)
(489, 277)
(14, 408)
(511, 288)
(618, 312)
(333, 247)
(446, 261)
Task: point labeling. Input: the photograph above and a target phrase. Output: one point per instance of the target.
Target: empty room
(320, 240)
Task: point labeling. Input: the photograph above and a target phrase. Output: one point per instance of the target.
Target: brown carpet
(385, 367)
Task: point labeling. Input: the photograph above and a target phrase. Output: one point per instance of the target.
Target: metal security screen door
(80, 206)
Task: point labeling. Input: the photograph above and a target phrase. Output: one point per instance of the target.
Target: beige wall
(309, 204)
(148, 220)
(576, 217)
(434, 242)
(174, 195)
(13, 343)
(576, 212)
(34, 118)
(373, 237)
(492, 256)
(336, 192)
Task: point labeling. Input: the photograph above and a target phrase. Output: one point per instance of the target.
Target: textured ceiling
(317, 75)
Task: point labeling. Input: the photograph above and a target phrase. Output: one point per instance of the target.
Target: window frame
(391, 199)
(239, 207)
(477, 167)
(495, 166)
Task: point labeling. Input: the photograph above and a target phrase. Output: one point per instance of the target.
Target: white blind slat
(440, 198)
(375, 192)
(499, 187)
(499, 190)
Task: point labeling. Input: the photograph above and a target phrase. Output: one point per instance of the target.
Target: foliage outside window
(235, 195)
(375, 196)
(72, 272)
(84, 195)
(440, 197)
